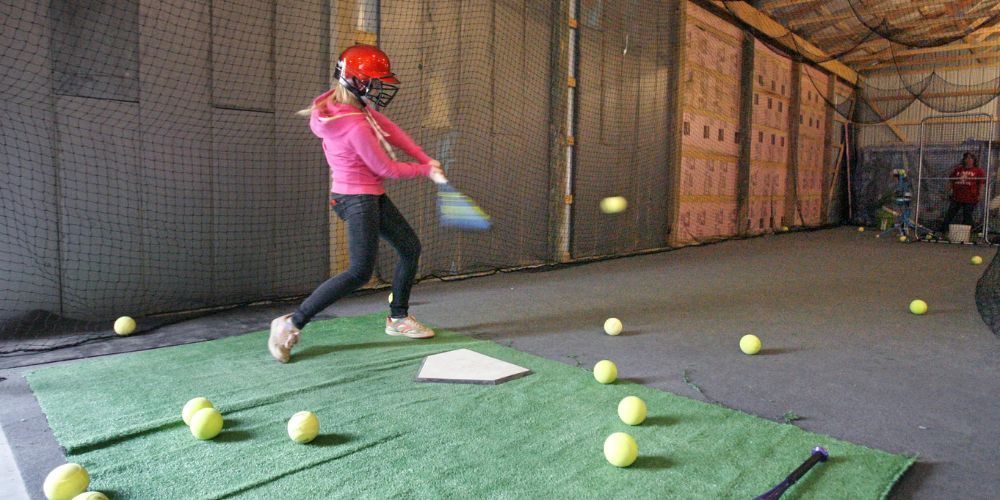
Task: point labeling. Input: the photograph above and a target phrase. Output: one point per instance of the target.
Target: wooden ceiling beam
(875, 51)
(927, 50)
(839, 35)
(781, 4)
(930, 61)
(869, 46)
(804, 10)
(916, 21)
(848, 14)
(905, 96)
(936, 68)
(985, 5)
(892, 125)
(976, 47)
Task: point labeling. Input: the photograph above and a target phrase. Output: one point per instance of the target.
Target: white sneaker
(407, 327)
(283, 337)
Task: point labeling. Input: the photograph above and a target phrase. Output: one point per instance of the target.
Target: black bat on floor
(818, 455)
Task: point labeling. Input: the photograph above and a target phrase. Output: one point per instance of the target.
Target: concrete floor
(840, 348)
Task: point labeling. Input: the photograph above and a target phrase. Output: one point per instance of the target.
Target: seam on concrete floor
(10, 476)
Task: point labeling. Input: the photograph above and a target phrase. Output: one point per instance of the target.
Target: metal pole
(989, 163)
(570, 132)
(847, 157)
(920, 175)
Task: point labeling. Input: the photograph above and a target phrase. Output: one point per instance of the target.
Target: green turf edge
(888, 489)
(902, 470)
(890, 484)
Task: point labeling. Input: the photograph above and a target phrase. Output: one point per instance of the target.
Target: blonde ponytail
(340, 94)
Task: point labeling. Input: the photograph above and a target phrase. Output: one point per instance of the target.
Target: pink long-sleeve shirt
(357, 161)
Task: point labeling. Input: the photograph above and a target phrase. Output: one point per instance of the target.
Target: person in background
(965, 181)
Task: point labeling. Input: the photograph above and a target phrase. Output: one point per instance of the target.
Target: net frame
(925, 176)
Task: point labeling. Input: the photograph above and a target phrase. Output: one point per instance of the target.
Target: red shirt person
(966, 181)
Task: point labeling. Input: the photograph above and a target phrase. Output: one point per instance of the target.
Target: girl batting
(357, 141)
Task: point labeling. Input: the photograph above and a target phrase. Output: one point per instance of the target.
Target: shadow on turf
(230, 432)
(331, 439)
(315, 351)
(909, 484)
(641, 380)
(776, 351)
(652, 462)
(233, 436)
(660, 421)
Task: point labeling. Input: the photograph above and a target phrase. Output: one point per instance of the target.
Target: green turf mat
(384, 435)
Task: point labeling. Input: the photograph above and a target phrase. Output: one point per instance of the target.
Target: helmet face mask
(379, 93)
(364, 70)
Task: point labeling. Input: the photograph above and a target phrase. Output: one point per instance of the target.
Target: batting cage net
(988, 295)
(154, 165)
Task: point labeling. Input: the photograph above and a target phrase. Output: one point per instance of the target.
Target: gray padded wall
(243, 159)
(29, 255)
(137, 196)
(100, 204)
(129, 195)
(300, 254)
(621, 119)
(176, 120)
(91, 60)
(243, 200)
(243, 54)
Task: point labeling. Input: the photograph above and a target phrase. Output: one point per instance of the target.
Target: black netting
(913, 27)
(900, 28)
(913, 24)
(988, 295)
(154, 165)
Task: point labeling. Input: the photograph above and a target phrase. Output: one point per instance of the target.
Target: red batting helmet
(365, 71)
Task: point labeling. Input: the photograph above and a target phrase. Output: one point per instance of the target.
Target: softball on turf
(605, 371)
(66, 482)
(614, 204)
(632, 410)
(918, 307)
(976, 260)
(206, 423)
(902, 238)
(192, 407)
(750, 344)
(303, 427)
(785, 228)
(91, 495)
(124, 326)
(612, 326)
(861, 229)
(620, 449)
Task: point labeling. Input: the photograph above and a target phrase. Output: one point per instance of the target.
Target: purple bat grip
(819, 454)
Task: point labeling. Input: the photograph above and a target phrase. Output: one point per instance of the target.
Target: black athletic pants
(368, 217)
(954, 207)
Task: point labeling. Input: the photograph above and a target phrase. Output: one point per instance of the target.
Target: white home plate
(463, 366)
